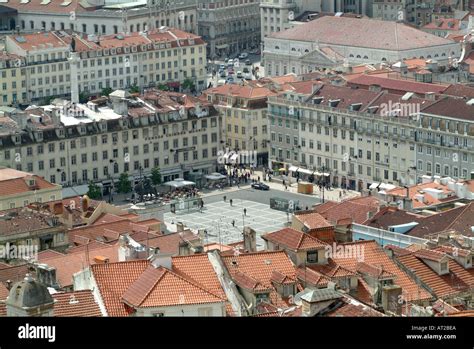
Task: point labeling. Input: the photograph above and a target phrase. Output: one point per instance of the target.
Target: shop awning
(221, 47)
(301, 170)
(179, 183)
(215, 176)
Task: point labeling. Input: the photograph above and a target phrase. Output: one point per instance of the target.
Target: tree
(124, 185)
(106, 91)
(134, 89)
(156, 176)
(94, 191)
(83, 97)
(163, 87)
(188, 84)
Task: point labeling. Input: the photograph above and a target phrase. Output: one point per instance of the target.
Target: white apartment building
(72, 144)
(160, 57)
(102, 17)
(360, 137)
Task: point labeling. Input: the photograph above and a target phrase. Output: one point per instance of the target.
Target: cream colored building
(19, 189)
(244, 113)
(100, 140)
(12, 79)
(161, 57)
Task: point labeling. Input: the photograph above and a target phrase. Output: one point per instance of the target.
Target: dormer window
(312, 256)
(40, 136)
(444, 266)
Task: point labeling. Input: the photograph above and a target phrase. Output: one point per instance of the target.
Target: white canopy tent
(179, 183)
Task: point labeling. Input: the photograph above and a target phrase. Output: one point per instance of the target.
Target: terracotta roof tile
(46, 254)
(77, 303)
(67, 265)
(113, 279)
(294, 240)
(458, 279)
(313, 220)
(14, 273)
(249, 283)
(260, 265)
(375, 255)
(374, 271)
(355, 210)
(332, 270)
(431, 255)
(158, 287)
(311, 277)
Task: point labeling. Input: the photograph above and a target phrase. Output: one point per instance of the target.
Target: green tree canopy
(124, 185)
(106, 91)
(156, 176)
(94, 191)
(134, 89)
(188, 84)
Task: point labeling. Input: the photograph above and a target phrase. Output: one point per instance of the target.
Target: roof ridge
(190, 280)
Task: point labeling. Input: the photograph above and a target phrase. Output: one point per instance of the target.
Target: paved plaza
(217, 219)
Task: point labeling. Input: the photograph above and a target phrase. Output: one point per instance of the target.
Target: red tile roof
(169, 243)
(249, 283)
(373, 254)
(396, 85)
(159, 287)
(235, 90)
(293, 239)
(14, 273)
(458, 279)
(67, 265)
(444, 24)
(113, 279)
(311, 277)
(77, 303)
(354, 210)
(431, 255)
(374, 271)
(332, 270)
(313, 220)
(14, 182)
(421, 189)
(46, 254)
(198, 268)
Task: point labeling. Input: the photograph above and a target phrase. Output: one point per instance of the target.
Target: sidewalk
(329, 195)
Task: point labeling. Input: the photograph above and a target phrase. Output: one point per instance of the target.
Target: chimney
(58, 208)
(179, 227)
(9, 284)
(390, 299)
(250, 242)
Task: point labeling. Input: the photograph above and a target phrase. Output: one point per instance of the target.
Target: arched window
(293, 49)
(306, 50)
(365, 57)
(443, 55)
(351, 55)
(277, 47)
(384, 59)
(436, 55)
(358, 56)
(429, 56)
(422, 57)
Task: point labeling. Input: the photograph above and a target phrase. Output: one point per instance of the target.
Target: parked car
(230, 80)
(239, 75)
(230, 63)
(243, 55)
(222, 73)
(222, 66)
(260, 186)
(248, 62)
(230, 71)
(221, 82)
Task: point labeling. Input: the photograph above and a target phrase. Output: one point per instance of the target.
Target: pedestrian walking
(245, 212)
(225, 198)
(284, 183)
(286, 187)
(230, 201)
(340, 194)
(233, 223)
(258, 178)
